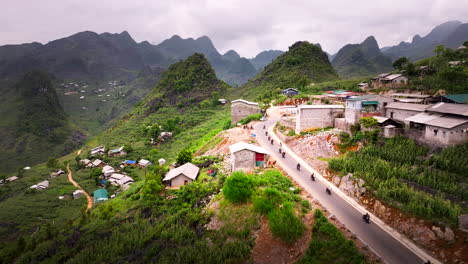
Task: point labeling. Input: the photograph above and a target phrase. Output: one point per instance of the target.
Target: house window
(391, 115)
(185, 182)
(435, 132)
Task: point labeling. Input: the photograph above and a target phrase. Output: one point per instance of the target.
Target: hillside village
(299, 164)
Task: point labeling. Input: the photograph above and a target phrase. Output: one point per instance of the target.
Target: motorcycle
(328, 191)
(280, 151)
(298, 167)
(312, 177)
(283, 154)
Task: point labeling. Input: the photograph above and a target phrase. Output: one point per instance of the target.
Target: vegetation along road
(88, 197)
(391, 250)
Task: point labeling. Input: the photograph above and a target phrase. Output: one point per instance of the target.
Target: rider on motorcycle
(298, 166)
(312, 177)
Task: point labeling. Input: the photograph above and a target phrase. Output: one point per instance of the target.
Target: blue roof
(458, 98)
(130, 161)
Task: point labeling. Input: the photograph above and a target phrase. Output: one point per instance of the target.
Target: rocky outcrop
(349, 185)
(448, 235)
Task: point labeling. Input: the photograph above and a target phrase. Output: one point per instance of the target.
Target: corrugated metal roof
(242, 145)
(324, 106)
(422, 117)
(458, 98)
(393, 76)
(363, 97)
(244, 101)
(188, 169)
(381, 119)
(370, 102)
(411, 95)
(447, 108)
(447, 122)
(409, 100)
(408, 106)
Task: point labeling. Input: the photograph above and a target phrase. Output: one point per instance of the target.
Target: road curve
(391, 246)
(88, 197)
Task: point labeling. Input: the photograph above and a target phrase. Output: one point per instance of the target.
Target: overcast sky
(248, 26)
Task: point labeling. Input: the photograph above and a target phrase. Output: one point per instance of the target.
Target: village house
(401, 111)
(116, 152)
(389, 80)
(441, 124)
(57, 173)
(100, 195)
(129, 162)
(12, 178)
(144, 163)
(78, 194)
(41, 186)
(222, 101)
(246, 157)
(181, 175)
(98, 150)
(161, 161)
(118, 179)
(317, 116)
(108, 171)
(385, 121)
(242, 108)
(411, 98)
(363, 86)
(85, 162)
(365, 106)
(290, 92)
(97, 163)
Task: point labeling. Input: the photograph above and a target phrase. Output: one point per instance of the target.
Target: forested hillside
(301, 65)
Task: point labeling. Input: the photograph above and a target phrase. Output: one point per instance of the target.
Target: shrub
(184, 156)
(250, 118)
(238, 187)
(285, 224)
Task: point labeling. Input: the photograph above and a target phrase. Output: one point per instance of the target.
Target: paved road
(88, 197)
(390, 249)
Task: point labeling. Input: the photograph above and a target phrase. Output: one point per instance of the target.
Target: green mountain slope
(35, 122)
(363, 59)
(302, 64)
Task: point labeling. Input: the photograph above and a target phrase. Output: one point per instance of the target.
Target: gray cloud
(245, 26)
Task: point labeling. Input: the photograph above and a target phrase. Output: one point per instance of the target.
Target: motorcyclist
(279, 150)
(298, 166)
(312, 177)
(264, 127)
(366, 217)
(328, 190)
(272, 141)
(284, 154)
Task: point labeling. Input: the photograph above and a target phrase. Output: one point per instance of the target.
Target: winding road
(88, 197)
(382, 239)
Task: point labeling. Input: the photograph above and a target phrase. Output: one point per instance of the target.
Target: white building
(317, 116)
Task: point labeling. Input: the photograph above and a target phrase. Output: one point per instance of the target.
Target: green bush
(250, 118)
(328, 245)
(285, 224)
(238, 187)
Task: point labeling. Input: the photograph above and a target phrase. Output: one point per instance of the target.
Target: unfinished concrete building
(246, 156)
(365, 106)
(241, 108)
(317, 116)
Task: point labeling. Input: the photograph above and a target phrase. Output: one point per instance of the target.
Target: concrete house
(181, 175)
(401, 111)
(118, 179)
(242, 108)
(98, 150)
(317, 116)
(442, 124)
(365, 106)
(247, 156)
(108, 171)
(290, 92)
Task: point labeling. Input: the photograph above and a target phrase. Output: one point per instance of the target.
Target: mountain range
(450, 34)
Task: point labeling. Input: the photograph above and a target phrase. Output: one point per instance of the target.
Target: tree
(400, 63)
(151, 190)
(439, 50)
(184, 156)
(52, 163)
(205, 104)
(154, 131)
(215, 98)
